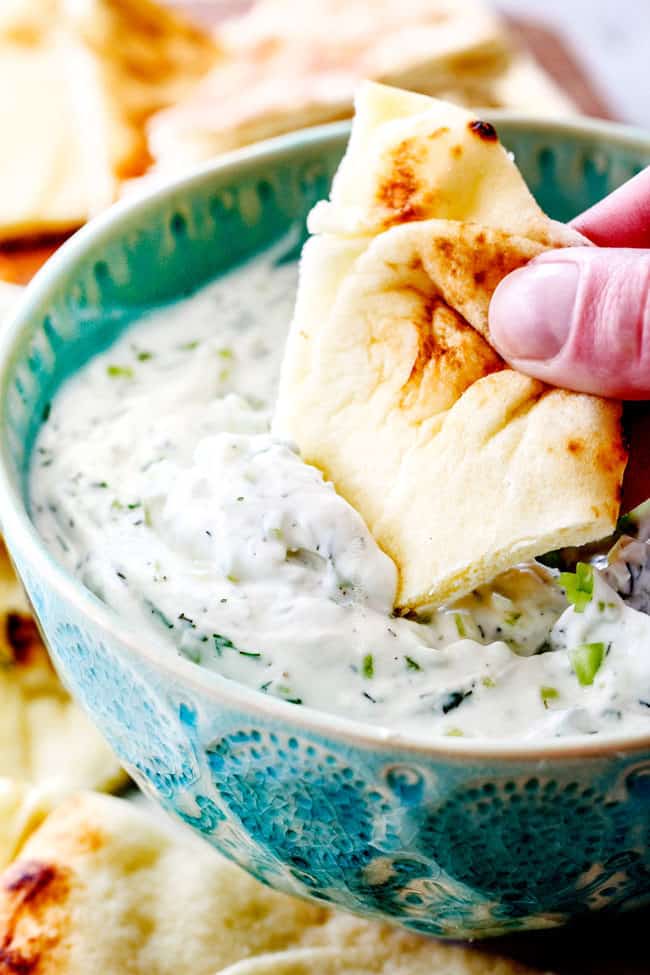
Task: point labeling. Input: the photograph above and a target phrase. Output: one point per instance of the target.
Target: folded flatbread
(460, 466)
(101, 887)
(23, 807)
(287, 65)
(78, 78)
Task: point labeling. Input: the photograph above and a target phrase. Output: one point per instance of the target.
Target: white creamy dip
(155, 480)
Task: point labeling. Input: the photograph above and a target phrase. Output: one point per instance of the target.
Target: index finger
(622, 219)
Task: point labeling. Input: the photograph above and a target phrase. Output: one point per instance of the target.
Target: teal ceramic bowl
(455, 838)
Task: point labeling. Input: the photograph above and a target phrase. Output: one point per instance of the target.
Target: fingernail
(531, 310)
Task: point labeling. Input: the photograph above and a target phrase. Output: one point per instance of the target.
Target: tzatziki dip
(155, 480)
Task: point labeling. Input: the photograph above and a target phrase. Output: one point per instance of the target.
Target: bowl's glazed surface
(453, 838)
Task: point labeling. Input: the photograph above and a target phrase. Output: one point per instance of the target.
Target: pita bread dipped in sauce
(223, 542)
(392, 388)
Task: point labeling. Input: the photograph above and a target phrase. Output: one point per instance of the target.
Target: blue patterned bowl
(454, 838)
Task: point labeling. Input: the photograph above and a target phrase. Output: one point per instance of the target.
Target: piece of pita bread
(51, 178)
(78, 78)
(460, 466)
(148, 56)
(288, 65)
(524, 87)
(100, 887)
(23, 807)
(401, 956)
(44, 736)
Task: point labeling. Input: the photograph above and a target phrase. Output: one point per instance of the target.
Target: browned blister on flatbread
(460, 466)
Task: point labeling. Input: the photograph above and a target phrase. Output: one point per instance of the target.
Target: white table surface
(611, 38)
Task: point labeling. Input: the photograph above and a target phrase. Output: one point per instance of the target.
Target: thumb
(579, 318)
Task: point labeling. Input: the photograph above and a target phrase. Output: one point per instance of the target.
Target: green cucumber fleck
(586, 660)
(548, 694)
(368, 666)
(578, 586)
(119, 372)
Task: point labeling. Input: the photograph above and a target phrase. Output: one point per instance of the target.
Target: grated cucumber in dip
(155, 480)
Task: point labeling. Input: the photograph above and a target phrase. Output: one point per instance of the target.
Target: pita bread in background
(460, 466)
(399, 956)
(288, 65)
(149, 56)
(524, 87)
(78, 78)
(23, 807)
(100, 887)
(45, 737)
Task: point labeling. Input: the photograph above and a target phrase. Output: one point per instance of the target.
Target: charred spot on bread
(451, 355)
(397, 192)
(22, 636)
(402, 193)
(29, 879)
(33, 892)
(612, 457)
(575, 446)
(484, 130)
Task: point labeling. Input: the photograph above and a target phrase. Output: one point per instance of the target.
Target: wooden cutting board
(20, 260)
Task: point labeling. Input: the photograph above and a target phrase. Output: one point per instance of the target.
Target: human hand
(580, 317)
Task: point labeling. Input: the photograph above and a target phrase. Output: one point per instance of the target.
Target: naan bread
(149, 56)
(460, 466)
(51, 178)
(78, 78)
(44, 736)
(400, 956)
(102, 888)
(23, 807)
(113, 892)
(523, 87)
(288, 65)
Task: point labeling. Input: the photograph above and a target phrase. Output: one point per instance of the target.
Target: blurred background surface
(611, 39)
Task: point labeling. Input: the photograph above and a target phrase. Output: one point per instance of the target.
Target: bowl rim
(23, 534)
